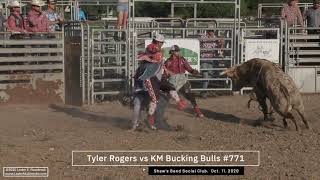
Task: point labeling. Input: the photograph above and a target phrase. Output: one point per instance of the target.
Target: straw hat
(15, 3)
(37, 3)
(159, 37)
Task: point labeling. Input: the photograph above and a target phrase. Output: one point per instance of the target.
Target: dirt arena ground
(45, 135)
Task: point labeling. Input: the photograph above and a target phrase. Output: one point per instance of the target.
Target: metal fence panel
(32, 68)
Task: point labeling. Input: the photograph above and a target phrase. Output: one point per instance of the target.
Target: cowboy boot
(198, 112)
(181, 105)
(152, 122)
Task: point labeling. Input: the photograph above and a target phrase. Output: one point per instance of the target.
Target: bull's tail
(286, 94)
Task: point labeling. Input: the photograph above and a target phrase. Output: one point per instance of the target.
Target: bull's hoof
(308, 127)
(267, 124)
(285, 124)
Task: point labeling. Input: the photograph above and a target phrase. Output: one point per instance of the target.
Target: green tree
(152, 9)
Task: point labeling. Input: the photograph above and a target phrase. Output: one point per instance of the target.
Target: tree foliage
(156, 9)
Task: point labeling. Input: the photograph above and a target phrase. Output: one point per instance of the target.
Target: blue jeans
(206, 73)
(123, 7)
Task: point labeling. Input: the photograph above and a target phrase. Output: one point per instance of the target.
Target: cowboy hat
(159, 38)
(37, 3)
(174, 48)
(15, 3)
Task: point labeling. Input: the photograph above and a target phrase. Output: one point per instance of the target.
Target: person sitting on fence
(55, 20)
(15, 22)
(122, 19)
(313, 17)
(208, 42)
(291, 13)
(37, 20)
(122, 8)
(176, 66)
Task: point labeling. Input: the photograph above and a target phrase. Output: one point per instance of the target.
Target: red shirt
(38, 22)
(16, 23)
(292, 14)
(178, 65)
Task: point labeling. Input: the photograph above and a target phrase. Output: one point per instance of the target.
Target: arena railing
(217, 63)
(32, 63)
(109, 64)
(86, 73)
(104, 62)
(303, 57)
(199, 22)
(273, 6)
(303, 46)
(274, 28)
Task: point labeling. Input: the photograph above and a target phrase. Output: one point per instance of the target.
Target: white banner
(189, 49)
(262, 48)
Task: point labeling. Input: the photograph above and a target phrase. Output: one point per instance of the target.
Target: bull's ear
(230, 72)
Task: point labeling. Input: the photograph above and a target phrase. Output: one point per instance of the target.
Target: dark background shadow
(122, 123)
(228, 118)
(118, 122)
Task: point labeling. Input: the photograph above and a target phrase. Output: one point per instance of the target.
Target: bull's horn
(228, 70)
(223, 73)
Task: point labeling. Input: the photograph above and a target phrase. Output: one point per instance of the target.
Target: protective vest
(18, 20)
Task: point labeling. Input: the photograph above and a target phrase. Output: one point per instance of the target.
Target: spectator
(2, 19)
(37, 20)
(82, 15)
(122, 8)
(177, 65)
(208, 42)
(54, 19)
(15, 20)
(16, 23)
(292, 13)
(313, 17)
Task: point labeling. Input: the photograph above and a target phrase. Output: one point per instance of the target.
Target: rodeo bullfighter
(269, 81)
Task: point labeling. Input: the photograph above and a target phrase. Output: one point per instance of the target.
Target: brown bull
(269, 81)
